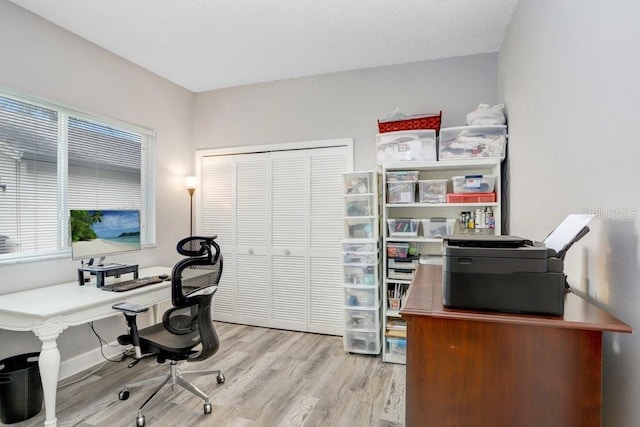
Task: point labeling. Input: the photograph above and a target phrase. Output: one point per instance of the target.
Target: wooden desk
(470, 369)
(50, 310)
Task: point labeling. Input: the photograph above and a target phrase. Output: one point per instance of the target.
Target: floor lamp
(192, 182)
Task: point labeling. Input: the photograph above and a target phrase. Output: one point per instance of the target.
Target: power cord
(125, 353)
(128, 353)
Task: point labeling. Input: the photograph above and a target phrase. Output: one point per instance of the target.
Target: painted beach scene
(99, 233)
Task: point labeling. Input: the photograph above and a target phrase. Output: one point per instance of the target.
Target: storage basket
(423, 121)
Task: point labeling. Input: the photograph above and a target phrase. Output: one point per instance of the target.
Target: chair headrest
(196, 246)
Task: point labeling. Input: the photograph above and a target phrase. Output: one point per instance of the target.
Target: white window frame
(147, 178)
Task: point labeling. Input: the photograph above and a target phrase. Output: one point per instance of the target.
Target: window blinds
(28, 172)
(104, 166)
(51, 160)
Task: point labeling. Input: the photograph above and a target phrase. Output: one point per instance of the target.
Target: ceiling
(210, 44)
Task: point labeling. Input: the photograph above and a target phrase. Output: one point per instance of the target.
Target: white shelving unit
(361, 263)
(397, 273)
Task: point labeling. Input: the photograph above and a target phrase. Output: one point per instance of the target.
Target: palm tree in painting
(96, 216)
(81, 222)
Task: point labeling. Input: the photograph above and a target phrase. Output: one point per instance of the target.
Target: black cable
(102, 342)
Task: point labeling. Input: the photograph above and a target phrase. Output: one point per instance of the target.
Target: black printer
(509, 273)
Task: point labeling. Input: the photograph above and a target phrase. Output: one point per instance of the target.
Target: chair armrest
(130, 312)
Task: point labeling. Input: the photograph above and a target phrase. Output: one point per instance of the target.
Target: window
(53, 159)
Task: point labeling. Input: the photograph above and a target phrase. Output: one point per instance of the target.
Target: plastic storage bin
(397, 250)
(362, 342)
(362, 318)
(358, 183)
(403, 176)
(360, 257)
(405, 227)
(432, 191)
(20, 388)
(473, 141)
(401, 192)
(406, 145)
(360, 274)
(434, 228)
(473, 183)
(397, 346)
(362, 296)
(360, 228)
(359, 247)
(358, 206)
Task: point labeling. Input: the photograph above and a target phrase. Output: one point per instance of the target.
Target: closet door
(252, 206)
(289, 239)
(217, 201)
(278, 217)
(235, 206)
(326, 166)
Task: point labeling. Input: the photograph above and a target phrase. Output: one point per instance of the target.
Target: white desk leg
(49, 363)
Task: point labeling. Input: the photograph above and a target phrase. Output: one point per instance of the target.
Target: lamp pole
(191, 188)
(191, 191)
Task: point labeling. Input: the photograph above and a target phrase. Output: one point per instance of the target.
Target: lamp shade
(192, 182)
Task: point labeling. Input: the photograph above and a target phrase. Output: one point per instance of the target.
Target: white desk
(49, 311)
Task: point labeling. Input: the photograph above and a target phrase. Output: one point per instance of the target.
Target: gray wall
(569, 75)
(41, 59)
(345, 104)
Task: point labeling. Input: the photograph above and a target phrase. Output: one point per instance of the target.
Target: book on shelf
(395, 333)
(396, 325)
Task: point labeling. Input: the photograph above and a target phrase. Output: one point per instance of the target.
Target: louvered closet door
(326, 166)
(252, 206)
(279, 219)
(217, 198)
(289, 231)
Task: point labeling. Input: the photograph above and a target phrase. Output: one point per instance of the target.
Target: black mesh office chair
(187, 331)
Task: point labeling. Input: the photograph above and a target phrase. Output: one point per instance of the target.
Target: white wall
(570, 77)
(345, 104)
(41, 59)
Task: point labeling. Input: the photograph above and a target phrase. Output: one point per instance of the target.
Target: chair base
(175, 377)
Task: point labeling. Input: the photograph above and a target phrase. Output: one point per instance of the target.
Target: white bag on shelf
(487, 115)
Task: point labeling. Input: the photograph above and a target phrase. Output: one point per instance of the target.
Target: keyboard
(127, 285)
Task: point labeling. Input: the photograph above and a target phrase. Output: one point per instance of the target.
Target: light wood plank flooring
(273, 378)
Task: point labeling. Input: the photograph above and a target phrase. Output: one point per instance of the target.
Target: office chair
(184, 326)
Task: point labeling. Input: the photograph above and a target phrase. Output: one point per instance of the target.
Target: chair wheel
(124, 394)
(140, 421)
(220, 378)
(207, 408)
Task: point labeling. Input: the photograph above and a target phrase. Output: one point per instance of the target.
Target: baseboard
(90, 359)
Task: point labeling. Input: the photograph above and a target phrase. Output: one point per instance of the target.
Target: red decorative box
(471, 197)
(423, 121)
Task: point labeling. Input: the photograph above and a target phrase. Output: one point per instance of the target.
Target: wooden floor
(273, 378)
